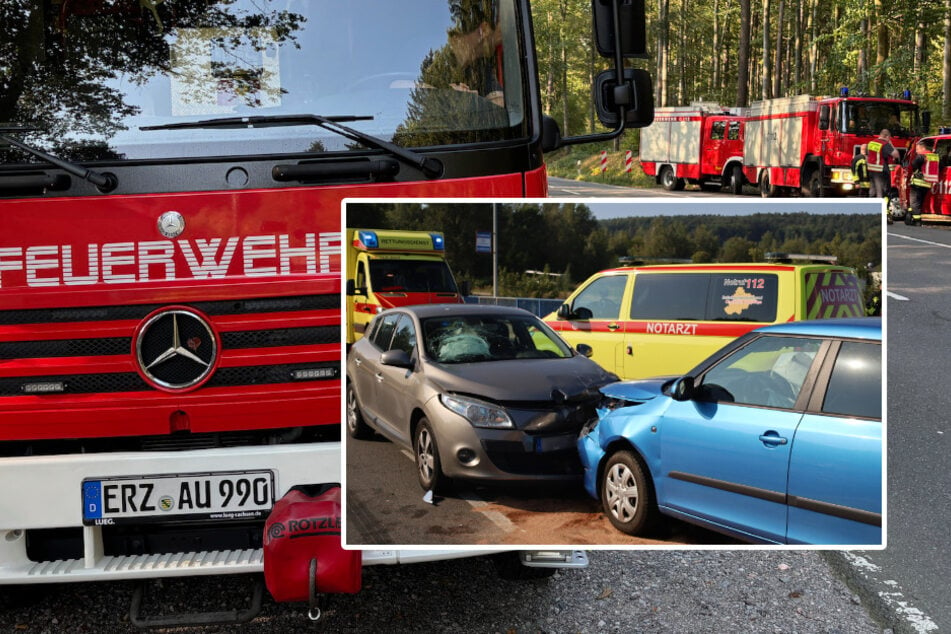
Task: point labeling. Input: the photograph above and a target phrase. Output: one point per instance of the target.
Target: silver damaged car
(476, 392)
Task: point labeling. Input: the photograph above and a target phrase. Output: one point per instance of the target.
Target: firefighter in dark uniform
(860, 172)
(881, 152)
(924, 173)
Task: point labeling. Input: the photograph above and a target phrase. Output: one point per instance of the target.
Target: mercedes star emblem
(175, 349)
(171, 224)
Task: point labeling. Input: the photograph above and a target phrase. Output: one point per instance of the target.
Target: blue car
(775, 439)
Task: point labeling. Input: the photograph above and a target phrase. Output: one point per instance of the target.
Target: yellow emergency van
(395, 268)
(658, 320)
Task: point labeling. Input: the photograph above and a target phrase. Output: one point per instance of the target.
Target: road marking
(900, 298)
(478, 504)
(916, 620)
(934, 244)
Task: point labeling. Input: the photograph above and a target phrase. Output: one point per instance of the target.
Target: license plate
(555, 443)
(212, 496)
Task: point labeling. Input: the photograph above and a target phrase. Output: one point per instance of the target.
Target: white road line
(934, 244)
(478, 504)
(917, 620)
(901, 298)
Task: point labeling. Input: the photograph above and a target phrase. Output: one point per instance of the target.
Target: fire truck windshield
(91, 74)
(871, 117)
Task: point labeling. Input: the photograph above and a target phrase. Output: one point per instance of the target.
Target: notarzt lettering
(663, 328)
(166, 260)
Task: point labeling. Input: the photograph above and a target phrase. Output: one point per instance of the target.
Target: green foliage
(563, 244)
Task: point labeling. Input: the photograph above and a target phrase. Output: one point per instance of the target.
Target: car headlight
(479, 413)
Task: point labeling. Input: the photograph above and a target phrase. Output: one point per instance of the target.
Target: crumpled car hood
(520, 380)
(637, 391)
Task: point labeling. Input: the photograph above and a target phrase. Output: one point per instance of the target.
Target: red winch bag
(301, 530)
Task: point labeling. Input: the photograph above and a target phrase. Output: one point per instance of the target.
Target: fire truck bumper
(40, 493)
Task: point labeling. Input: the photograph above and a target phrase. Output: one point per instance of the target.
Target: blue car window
(769, 372)
(855, 388)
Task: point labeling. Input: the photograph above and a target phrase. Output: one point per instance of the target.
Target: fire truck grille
(132, 382)
(139, 311)
(173, 346)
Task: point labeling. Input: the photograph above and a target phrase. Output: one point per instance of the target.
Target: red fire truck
(171, 175)
(701, 144)
(937, 204)
(807, 143)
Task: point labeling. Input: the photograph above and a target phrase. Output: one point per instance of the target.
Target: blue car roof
(854, 327)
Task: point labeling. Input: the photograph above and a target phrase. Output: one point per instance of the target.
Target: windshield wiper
(105, 182)
(432, 168)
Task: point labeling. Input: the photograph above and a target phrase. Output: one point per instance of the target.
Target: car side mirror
(584, 350)
(397, 359)
(564, 312)
(353, 290)
(684, 389)
(464, 289)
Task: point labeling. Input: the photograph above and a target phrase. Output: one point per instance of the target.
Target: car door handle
(379, 379)
(613, 326)
(772, 439)
(357, 361)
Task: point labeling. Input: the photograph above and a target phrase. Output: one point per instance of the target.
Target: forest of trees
(738, 51)
(567, 239)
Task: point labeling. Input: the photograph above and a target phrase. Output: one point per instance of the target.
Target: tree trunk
(778, 58)
(766, 71)
(743, 57)
(682, 56)
(881, 48)
(946, 74)
(716, 46)
(663, 51)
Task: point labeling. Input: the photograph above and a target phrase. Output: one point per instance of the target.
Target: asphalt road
(913, 570)
(385, 507)
(566, 188)
(657, 592)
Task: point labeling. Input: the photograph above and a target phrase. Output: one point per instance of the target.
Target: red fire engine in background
(701, 144)
(807, 143)
(802, 143)
(171, 180)
(937, 204)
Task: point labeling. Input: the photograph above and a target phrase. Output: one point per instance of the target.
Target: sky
(625, 208)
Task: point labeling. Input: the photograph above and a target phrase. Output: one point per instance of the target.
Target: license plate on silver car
(213, 496)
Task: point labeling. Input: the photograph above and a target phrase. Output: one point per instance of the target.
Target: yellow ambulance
(661, 320)
(394, 268)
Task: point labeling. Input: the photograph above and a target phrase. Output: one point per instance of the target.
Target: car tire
(736, 180)
(356, 426)
(766, 188)
(428, 468)
(669, 181)
(627, 494)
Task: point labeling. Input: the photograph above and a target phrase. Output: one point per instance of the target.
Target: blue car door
(835, 471)
(725, 454)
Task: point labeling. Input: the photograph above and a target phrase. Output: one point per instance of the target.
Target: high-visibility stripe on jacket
(876, 162)
(932, 167)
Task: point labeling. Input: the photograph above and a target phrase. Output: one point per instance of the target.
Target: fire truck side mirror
(631, 27)
(635, 94)
(825, 116)
(926, 122)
